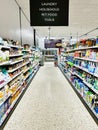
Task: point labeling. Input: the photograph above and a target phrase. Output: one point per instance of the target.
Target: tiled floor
(50, 104)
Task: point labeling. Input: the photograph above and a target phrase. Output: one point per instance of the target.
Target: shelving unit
(75, 65)
(88, 107)
(50, 53)
(16, 74)
(29, 55)
(86, 70)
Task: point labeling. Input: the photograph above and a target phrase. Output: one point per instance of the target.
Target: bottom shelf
(90, 110)
(8, 112)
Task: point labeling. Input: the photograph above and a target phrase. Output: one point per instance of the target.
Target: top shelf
(83, 48)
(13, 46)
(10, 46)
(15, 55)
(26, 50)
(5, 47)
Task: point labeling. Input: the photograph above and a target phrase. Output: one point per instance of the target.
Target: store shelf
(9, 110)
(5, 47)
(13, 105)
(86, 70)
(91, 88)
(15, 91)
(27, 76)
(10, 71)
(13, 46)
(19, 66)
(5, 100)
(5, 63)
(71, 72)
(34, 74)
(86, 59)
(30, 74)
(50, 59)
(82, 48)
(26, 70)
(12, 63)
(16, 75)
(90, 110)
(26, 63)
(26, 57)
(89, 85)
(63, 64)
(96, 115)
(28, 79)
(2, 85)
(16, 55)
(26, 50)
(78, 76)
(34, 65)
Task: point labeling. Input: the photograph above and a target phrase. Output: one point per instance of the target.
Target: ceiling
(83, 17)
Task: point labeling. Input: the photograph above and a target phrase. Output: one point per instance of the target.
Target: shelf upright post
(34, 34)
(20, 25)
(49, 31)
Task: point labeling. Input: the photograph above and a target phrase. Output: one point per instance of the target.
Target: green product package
(70, 63)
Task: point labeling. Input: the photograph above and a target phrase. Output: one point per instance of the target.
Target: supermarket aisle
(50, 104)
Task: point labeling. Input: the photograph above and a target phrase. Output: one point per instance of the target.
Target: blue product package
(96, 109)
(91, 68)
(97, 41)
(81, 85)
(7, 105)
(1, 111)
(96, 70)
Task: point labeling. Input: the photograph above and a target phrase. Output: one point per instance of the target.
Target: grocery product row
(83, 44)
(18, 65)
(80, 67)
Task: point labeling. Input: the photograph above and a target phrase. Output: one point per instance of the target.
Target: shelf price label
(49, 12)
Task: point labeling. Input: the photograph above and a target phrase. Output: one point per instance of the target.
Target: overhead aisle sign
(49, 12)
